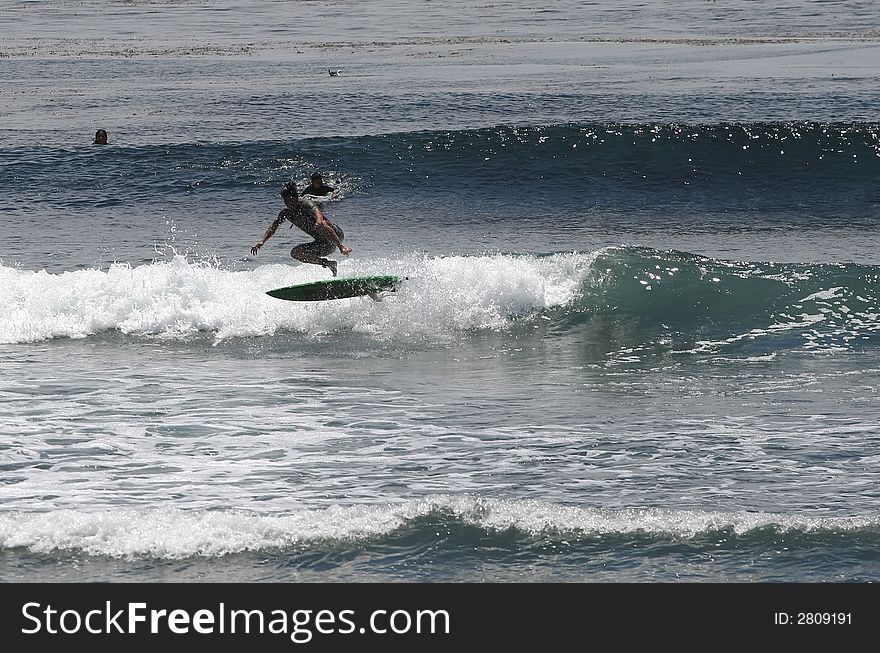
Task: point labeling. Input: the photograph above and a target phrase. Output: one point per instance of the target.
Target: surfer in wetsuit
(305, 214)
(318, 188)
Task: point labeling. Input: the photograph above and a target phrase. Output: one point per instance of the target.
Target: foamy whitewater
(638, 337)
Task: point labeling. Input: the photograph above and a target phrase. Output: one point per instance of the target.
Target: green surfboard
(337, 288)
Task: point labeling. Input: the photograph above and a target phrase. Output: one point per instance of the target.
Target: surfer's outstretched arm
(266, 236)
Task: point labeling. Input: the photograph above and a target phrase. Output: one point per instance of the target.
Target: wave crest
(697, 303)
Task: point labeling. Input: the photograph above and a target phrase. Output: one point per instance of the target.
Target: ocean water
(639, 340)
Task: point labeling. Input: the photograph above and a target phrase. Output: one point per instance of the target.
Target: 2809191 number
(823, 618)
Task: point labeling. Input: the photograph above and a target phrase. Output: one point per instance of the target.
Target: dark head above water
(101, 137)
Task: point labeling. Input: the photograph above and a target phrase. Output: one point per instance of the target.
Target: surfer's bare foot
(345, 250)
(332, 265)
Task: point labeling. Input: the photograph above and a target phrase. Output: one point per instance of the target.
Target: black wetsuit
(321, 191)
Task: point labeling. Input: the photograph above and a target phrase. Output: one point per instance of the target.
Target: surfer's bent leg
(313, 252)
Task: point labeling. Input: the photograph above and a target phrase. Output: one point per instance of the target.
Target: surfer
(317, 187)
(305, 214)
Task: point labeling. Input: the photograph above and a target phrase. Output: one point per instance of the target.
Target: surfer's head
(317, 180)
(289, 191)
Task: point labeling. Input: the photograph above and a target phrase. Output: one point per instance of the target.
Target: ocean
(638, 342)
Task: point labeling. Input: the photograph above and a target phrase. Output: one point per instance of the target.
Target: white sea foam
(169, 533)
(178, 298)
